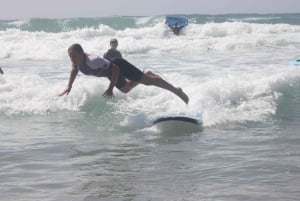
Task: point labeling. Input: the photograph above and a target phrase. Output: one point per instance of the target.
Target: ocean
(82, 147)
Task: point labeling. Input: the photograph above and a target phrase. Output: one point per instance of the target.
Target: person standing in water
(113, 52)
(122, 74)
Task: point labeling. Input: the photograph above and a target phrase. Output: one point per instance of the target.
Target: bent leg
(152, 79)
(129, 85)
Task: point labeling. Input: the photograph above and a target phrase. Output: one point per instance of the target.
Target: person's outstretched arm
(73, 75)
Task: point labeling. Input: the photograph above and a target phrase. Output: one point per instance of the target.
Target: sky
(25, 9)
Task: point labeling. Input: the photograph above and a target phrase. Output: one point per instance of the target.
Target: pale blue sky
(24, 9)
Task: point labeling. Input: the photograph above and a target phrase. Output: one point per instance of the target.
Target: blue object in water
(181, 22)
(295, 62)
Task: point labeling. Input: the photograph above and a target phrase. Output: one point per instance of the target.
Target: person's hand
(66, 91)
(108, 94)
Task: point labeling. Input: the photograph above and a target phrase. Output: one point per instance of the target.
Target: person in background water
(175, 28)
(120, 72)
(113, 52)
(1, 71)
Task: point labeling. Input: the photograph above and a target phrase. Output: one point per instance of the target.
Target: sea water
(83, 147)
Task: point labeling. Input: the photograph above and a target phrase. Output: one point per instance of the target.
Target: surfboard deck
(180, 20)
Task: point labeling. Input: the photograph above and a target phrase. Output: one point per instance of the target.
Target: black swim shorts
(127, 71)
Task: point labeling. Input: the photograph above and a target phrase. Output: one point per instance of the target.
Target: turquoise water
(83, 147)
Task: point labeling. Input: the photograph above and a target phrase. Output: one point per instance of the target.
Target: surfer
(113, 52)
(1, 71)
(175, 28)
(120, 72)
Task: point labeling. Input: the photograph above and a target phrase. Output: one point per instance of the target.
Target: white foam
(31, 94)
(221, 99)
(236, 98)
(137, 121)
(241, 97)
(149, 40)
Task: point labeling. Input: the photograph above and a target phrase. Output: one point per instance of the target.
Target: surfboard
(178, 123)
(181, 22)
(295, 62)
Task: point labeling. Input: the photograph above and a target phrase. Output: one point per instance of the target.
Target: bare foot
(182, 95)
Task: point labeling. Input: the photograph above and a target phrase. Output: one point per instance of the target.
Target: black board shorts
(127, 71)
